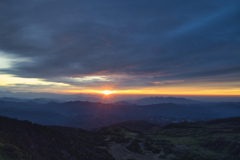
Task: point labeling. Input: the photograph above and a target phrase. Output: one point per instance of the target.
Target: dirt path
(119, 152)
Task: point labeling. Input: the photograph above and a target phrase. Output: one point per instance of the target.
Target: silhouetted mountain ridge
(35, 100)
(156, 100)
(91, 115)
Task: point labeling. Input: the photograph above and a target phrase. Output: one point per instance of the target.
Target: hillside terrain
(214, 140)
(23, 140)
(132, 140)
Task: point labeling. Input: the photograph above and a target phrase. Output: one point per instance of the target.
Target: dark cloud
(150, 40)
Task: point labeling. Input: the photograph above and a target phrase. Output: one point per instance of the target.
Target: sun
(106, 92)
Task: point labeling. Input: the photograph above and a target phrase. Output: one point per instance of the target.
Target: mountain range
(90, 115)
(156, 100)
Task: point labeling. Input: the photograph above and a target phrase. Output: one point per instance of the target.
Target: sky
(173, 47)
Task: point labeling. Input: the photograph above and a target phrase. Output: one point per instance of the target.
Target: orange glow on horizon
(107, 92)
(193, 92)
(190, 89)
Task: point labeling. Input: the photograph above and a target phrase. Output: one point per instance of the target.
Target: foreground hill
(131, 140)
(215, 140)
(26, 141)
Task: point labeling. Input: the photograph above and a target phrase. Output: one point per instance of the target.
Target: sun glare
(106, 92)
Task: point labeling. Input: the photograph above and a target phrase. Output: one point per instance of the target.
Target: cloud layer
(130, 43)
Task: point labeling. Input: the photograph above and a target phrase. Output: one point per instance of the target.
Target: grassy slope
(216, 140)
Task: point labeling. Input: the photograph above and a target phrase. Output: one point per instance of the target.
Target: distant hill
(35, 100)
(11, 99)
(123, 103)
(156, 100)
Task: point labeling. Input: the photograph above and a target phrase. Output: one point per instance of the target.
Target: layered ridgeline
(157, 100)
(132, 140)
(90, 115)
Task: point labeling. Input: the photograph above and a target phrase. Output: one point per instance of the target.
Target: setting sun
(106, 92)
